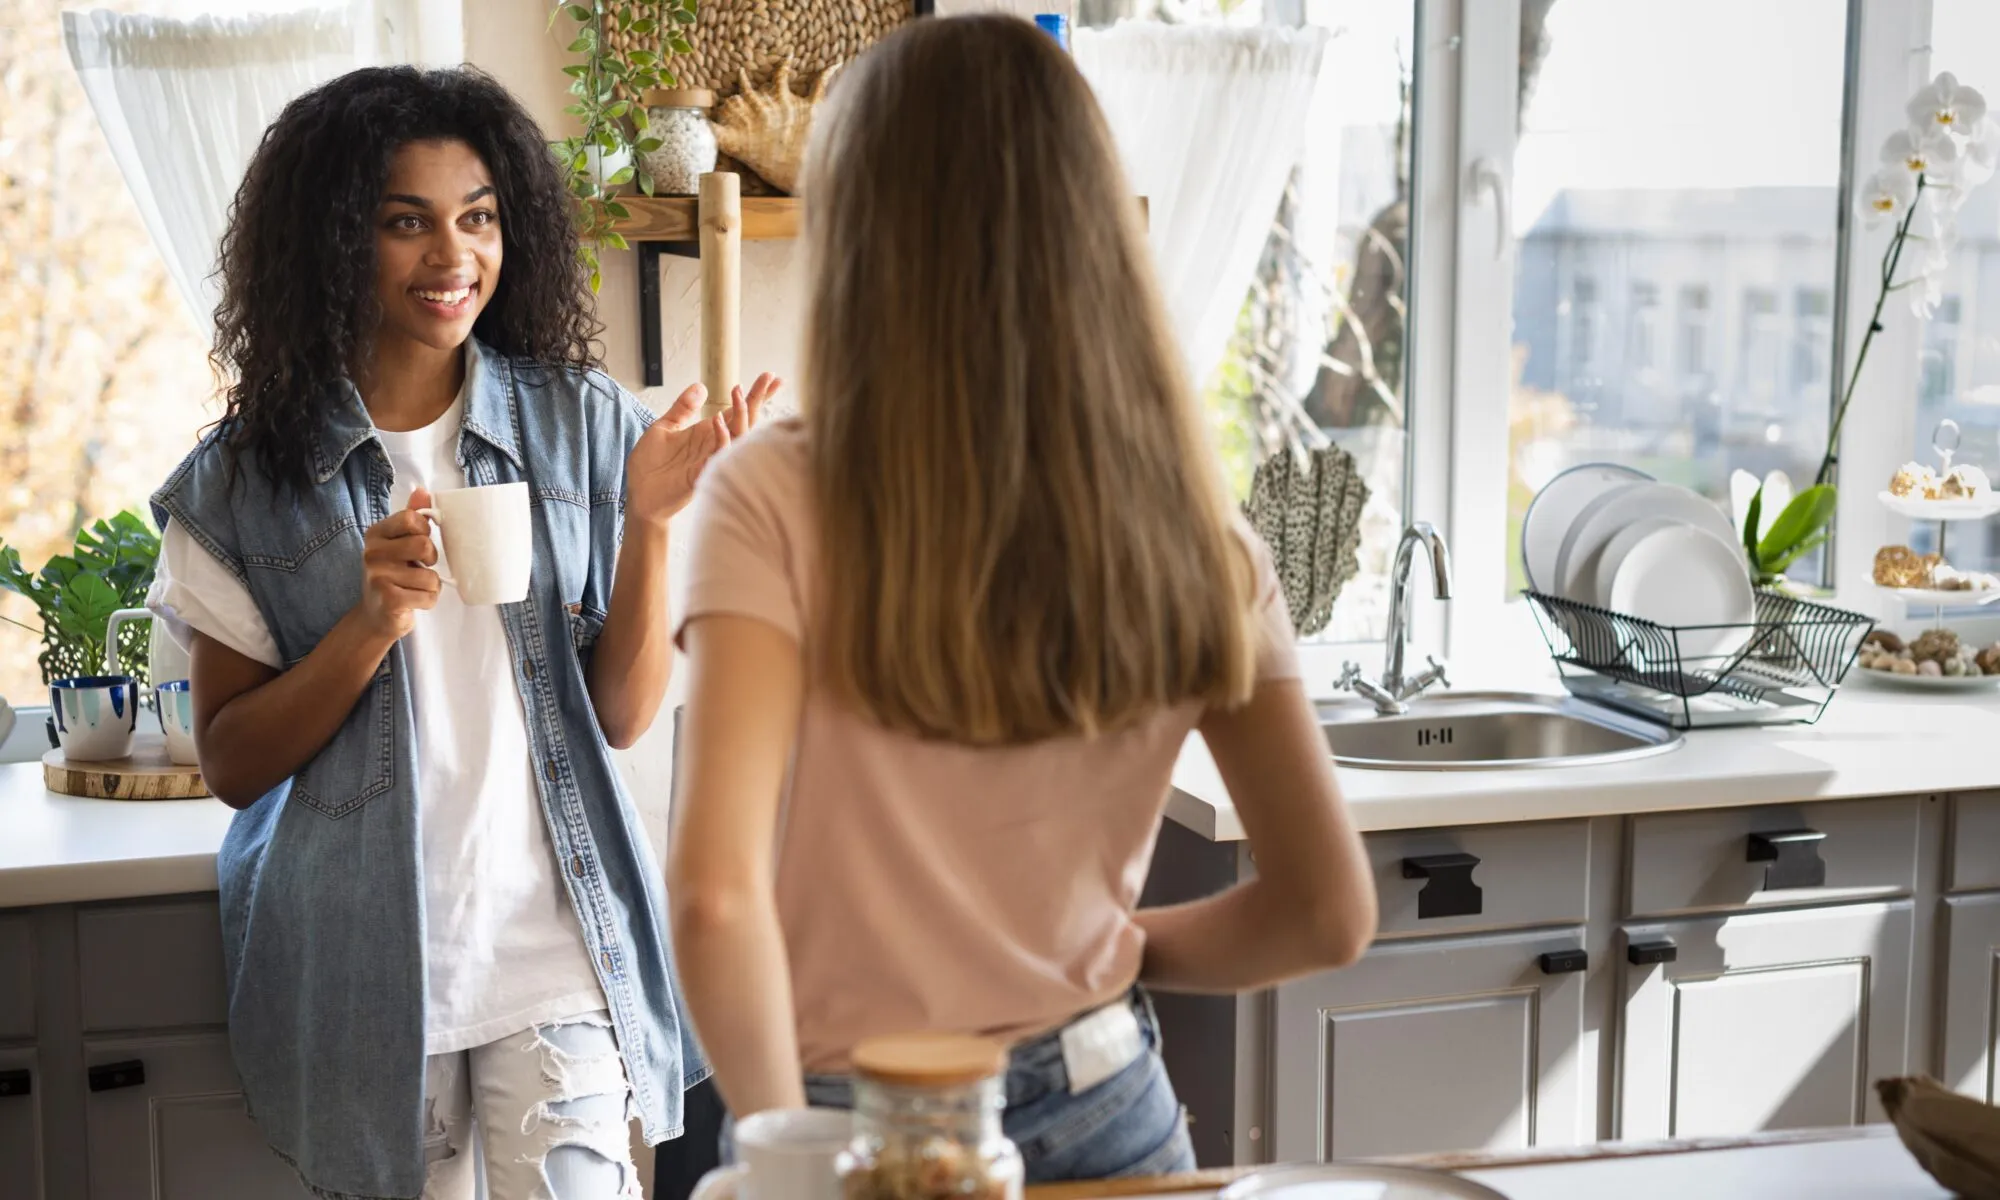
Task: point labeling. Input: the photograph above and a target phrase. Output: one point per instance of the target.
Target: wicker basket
(752, 37)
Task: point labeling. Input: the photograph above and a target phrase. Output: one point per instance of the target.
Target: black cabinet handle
(1565, 962)
(1448, 888)
(16, 1083)
(1645, 954)
(117, 1075)
(1793, 855)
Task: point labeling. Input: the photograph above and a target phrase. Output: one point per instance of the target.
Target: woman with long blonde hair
(950, 628)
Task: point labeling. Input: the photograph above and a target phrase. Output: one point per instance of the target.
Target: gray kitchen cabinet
(1760, 1021)
(1972, 995)
(166, 1121)
(20, 1126)
(1439, 1044)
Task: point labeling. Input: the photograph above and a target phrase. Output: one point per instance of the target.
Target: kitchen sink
(1482, 731)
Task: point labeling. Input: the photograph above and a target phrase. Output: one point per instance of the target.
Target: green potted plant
(607, 153)
(110, 567)
(1949, 148)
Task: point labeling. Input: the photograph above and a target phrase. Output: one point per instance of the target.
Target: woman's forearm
(262, 736)
(1238, 940)
(731, 952)
(634, 656)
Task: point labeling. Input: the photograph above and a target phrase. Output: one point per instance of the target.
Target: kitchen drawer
(154, 965)
(1704, 861)
(1535, 874)
(17, 977)
(1975, 842)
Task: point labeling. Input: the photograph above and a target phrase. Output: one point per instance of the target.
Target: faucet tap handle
(1436, 673)
(1350, 674)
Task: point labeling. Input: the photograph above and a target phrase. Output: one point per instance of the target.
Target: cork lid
(680, 98)
(929, 1059)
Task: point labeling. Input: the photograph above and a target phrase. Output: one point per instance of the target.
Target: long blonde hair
(1024, 531)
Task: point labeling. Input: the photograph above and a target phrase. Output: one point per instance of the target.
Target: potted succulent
(110, 567)
(1928, 168)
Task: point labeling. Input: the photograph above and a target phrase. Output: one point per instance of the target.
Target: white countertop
(56, 849)
(1870, 742)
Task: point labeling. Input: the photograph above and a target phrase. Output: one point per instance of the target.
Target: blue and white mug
(95, 715)
(175, 704)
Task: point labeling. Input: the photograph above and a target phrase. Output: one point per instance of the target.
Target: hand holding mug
(667, 460)
(397, 555)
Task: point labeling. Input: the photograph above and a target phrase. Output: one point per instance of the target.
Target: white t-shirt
(503, 947)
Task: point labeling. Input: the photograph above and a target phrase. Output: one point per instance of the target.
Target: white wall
(510, 39)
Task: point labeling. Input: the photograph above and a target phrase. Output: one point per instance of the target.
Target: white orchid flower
(1887, 194)
(1930, 152)
(1948, 106)
(1926, 294)
(1982, 155)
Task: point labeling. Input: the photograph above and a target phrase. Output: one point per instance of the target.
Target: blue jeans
(1130, 1124)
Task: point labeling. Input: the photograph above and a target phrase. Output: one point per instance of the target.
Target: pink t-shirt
(922, 885)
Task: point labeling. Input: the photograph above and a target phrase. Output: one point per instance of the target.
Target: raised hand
(665, 463)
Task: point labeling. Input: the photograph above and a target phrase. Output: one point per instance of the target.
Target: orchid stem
(1890, 259)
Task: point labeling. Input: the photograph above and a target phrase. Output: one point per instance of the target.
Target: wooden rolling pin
(721, 232)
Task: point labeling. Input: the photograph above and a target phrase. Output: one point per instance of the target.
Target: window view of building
(1644, 206)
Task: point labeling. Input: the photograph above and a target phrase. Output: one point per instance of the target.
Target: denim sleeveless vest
(322, 899)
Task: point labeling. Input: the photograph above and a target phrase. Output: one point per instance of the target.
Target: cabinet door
(20, 1126)
(1763, 1021)
(1445, 1044)
(182, 1133)
(1972, 995)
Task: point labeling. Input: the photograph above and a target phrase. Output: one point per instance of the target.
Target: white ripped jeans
(550, 1105)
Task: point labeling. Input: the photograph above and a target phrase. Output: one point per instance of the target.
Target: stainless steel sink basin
(1482, 731)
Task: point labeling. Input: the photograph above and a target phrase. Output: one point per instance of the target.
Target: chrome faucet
(1391, 694)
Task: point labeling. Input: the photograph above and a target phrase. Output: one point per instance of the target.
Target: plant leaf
(1806, 515)
(579, 13)
(618, 211)
(615, 240)
(680, 44)
(646, 145)
(621, 175)
(1800, 551)
(1751, 518)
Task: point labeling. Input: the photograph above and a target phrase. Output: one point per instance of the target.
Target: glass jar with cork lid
(678, 119)
(927, 1121)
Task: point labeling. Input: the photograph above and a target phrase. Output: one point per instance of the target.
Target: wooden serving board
(144, 774)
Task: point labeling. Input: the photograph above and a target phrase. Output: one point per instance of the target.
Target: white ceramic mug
(175, 703)
(786, 1154)
(489, 541)
(95, 715)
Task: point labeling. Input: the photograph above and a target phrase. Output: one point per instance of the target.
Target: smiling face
(437, 244)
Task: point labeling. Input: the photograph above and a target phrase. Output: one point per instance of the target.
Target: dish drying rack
(1781, 668)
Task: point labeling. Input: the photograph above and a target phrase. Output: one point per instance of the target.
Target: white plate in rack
(1919, 509)
(1556, 507)
(1687, 578)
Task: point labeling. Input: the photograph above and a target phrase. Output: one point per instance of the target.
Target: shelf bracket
(652, 351)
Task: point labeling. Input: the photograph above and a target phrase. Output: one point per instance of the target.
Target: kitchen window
(1958, 369)
(1324, 326)
(1635, 165)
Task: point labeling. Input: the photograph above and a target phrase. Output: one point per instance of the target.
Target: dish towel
(1306, 505)
(1954, 1137)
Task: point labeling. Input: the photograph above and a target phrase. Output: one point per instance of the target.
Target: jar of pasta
(927, 1122)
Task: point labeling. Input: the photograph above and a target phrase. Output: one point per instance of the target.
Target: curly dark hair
(297, 263)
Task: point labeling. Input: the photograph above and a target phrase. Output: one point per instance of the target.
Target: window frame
(1459, 429)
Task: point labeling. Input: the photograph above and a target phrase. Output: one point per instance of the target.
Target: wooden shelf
(674, 218)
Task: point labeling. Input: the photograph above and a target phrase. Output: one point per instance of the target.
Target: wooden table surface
(1210, 1181)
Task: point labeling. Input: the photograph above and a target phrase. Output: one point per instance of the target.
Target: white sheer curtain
(1209, 121)
(183, 104)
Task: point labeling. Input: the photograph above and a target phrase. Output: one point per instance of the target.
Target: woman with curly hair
(440, 912)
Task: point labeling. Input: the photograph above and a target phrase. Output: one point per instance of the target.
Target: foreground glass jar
(927, 1122)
